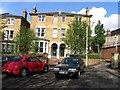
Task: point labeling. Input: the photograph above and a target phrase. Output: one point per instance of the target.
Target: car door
(29, 64)
(37, 64)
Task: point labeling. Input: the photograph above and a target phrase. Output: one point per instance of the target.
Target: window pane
(42, 32)
(63, 32)
(41, 46)
(11, 34)
(54, 32)
(55, 18)
(39, 18)
(63, 18)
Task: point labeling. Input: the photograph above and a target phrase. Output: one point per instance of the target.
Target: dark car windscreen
(15, 59)
(71, 61)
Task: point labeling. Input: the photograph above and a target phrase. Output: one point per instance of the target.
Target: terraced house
(50, 28)
(13, 24)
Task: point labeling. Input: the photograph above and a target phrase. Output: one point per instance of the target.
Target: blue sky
(18, 7)
(109, 8)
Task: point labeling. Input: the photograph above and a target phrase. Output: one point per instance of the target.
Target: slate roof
(6, 15)
(115, 32)
(65, 13)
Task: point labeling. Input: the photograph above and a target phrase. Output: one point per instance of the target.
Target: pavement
(115, 72)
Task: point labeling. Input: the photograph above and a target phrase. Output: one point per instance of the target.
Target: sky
(106, 12)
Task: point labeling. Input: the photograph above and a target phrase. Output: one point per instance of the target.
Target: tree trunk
(98, 48)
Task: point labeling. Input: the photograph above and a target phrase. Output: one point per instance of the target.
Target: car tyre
(78, 74)
(23, 72)
(45, 69)
(8, 75)
(57, 76)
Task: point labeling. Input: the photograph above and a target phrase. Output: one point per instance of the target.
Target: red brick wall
(107, 52)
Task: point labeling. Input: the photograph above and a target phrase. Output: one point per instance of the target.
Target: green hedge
(90, 56)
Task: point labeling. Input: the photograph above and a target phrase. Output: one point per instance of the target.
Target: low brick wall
(90, 61)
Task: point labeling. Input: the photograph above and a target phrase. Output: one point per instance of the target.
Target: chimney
(34, 9)
(108, 33)
(25, 14)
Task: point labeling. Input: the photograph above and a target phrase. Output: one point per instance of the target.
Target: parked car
(5, 59)
(23, 65)
(70, 66)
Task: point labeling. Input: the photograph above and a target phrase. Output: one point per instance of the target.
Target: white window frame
(65, 18)
(55, 34)
(40, 27)
(62, 32)
(55, 18)
(45, 46)
(40, 18)
(10, 21)
(7, 35)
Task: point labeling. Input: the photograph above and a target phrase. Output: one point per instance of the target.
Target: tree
(2, 26)
(99, 39)
(24, 40)
(75, 36)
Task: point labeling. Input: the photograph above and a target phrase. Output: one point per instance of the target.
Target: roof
(115, 32)
(6, 15)
(65, 13)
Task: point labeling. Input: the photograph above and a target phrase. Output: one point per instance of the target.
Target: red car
(23, 65)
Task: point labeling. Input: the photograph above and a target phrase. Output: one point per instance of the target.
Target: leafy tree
(2, 26)
(75, 36)
(24, 40)
(99, 39)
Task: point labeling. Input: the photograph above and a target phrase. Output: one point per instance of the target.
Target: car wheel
(46, 69)
(8, 75)
(57, 76)
(78, 74)
(23, 72)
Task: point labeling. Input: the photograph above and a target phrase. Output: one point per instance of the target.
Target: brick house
(112, 44)
(50, 28)
(13, 23)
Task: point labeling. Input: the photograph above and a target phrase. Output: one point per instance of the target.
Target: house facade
(50, 28)
(112, 44)
(13, 23)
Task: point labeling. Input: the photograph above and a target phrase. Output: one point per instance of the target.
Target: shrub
(91, 55)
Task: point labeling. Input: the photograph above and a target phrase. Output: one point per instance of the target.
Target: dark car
(70, 66)
(5, 59)
(23, 65)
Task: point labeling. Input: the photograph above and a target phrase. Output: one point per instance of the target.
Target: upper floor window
(9, 34)
(41, 18)
(63, 18)
(40, 31)
(54, 32)
(55, 18)
(63, 32)
(78, 18)
(10, 21)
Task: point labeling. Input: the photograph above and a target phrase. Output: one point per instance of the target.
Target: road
(94, 77)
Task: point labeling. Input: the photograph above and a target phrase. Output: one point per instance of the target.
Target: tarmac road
(94, 77)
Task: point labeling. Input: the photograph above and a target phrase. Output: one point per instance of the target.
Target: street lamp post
(87, 10)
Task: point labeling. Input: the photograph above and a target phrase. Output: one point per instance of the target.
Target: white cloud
(110, 22)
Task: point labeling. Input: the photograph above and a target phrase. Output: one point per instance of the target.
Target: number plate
(63, 72)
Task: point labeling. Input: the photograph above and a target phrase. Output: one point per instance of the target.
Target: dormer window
(10, 21)
(63, 18)
(41, 18)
